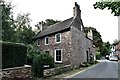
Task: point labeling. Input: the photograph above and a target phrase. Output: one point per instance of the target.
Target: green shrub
(87, 65)
(39, 61)
(13, 54)
(98, 55)
(96, 62)
(48, 60)
(84, 64)
(37, 67)
(92, 62)
(31, 52)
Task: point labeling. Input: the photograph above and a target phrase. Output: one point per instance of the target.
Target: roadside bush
(84, 64)
(92, 62)
(87, 64)
(13, 54)
(37, 67)
(96, 62)
(31, 52)
(38, 64)
(48, 60)
(98, 55)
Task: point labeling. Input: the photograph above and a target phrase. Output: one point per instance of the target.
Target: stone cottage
(67, 41)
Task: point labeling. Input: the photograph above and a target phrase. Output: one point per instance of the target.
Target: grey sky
(105, 22)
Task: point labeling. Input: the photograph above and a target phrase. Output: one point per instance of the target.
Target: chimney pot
(76, 10)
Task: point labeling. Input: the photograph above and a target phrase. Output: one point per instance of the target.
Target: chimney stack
(41, 26)
(90, 34)
(76, 10)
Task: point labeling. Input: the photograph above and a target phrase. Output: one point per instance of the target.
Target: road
(104, 69)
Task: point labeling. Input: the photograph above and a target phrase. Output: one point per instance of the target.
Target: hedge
(13, 54)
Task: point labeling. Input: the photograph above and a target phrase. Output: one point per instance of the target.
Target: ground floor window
(58, 55)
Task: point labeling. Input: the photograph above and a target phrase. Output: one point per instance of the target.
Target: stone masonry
(76, 45)
(65, 45)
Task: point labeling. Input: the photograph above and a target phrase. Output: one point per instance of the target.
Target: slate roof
(55, 28)
(116, 43)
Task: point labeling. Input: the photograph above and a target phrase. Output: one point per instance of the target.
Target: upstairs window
(46, 41)
(58, 38)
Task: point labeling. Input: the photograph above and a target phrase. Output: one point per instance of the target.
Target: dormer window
(58, 38)
(46, 41)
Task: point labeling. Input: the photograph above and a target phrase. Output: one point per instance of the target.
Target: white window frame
(56, 38)
(48, 40)
(55, 56)
(38, 41)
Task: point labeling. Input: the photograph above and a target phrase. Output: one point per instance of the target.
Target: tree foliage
(32, 50)
(15, 30)
(106, 49)
(7, 22)
(103, 47)
(48, 22)
(113, 6)
(24, 32)
(38, 64)
(97, 40)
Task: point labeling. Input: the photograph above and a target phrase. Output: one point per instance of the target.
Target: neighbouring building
(67, 41)
(116, 47)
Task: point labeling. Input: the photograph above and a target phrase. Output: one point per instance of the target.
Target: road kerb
(81, 71)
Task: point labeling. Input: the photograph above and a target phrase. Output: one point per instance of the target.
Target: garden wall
(55, 71)
(17, 72)
(25, 72)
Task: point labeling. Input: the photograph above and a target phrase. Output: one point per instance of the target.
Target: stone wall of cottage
(65, 45)
(90, 48)
(94, 52)
(78, 40)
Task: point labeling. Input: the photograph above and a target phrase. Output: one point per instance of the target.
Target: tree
(7, 22)
(113, 6)
(102, 47)
(24, 32)
(18, 30)
(49, 22)
(97, 40)
(32, 50)
(106, 49)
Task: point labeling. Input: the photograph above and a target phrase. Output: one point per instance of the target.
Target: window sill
(58, 42)
(46, 44)
(58, 61)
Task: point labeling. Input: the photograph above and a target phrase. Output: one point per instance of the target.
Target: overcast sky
(105, 22)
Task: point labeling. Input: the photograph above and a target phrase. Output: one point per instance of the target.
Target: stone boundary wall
(55, 71)
(16, 72)
(25, 72)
